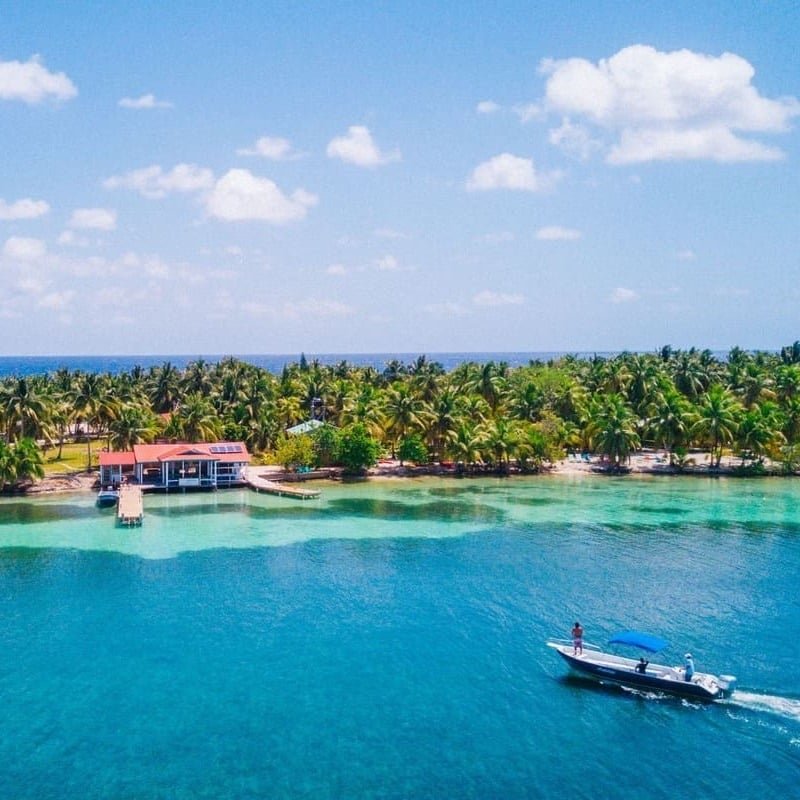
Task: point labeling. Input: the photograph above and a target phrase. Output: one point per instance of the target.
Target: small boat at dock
(107, 497)
(598, 665)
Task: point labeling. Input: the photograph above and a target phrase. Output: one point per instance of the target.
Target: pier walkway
(130, 507)
(262, 484)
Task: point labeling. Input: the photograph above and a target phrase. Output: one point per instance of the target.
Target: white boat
(634, 673)
(107, 497)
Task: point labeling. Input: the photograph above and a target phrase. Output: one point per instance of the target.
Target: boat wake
(786, 707)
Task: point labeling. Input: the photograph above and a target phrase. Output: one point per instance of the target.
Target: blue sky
(408, 177)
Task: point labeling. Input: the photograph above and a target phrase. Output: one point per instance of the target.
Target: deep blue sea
(29, 365)
(388, 641)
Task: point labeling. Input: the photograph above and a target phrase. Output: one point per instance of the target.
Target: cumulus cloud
(553, 233)
(99, 219)
(23, 209)
(31, 82)
(670, 105)
(240, 195)
(358, 147)
(507, 171)
(487, 107)
(623, 295)
(272, 147)
(337, 269)
(685, 255)
(71, 239)
(489, 298)
(575, 140)
(146, 101)
(153, 182)
(21, 248)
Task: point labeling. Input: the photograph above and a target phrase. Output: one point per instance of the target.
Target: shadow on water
(32, 513)
(660, 510)
(392, 509)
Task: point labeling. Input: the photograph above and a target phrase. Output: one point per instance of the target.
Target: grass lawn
(73, 458)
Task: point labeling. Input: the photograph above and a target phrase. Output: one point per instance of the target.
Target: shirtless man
(577, 639)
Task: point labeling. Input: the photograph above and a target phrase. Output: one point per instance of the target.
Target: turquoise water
(387, 641)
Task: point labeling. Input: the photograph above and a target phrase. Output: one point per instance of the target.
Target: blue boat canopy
(642, 640)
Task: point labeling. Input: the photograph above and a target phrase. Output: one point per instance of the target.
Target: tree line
(480, 416)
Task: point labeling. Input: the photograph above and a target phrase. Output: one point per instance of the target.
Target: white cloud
(489, 298)
(685, 255)
(507, 171)
(553, 233)
(240, 195)
(146, 101)
(71, 239)
(387, 263)
(575, 140)
(100, 219)
(20, 248)
(487, 107)
(357, 147)
(154, 183)
(622, 295)
(336, 269)
(30, 82)
(23, 209)
(713, 144)
(670, 105)
(528, 112)
(272, 147)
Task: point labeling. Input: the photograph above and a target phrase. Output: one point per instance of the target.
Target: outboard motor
(727, 683)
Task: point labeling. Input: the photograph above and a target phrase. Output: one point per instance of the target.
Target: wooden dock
(261, 484)
(130, 507)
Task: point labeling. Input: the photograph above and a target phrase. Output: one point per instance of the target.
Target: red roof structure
(223, 452)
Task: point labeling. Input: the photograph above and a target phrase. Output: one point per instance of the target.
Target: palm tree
(759, 431)
(87, 399)
(404, 412)
(613, 429)
(198, 420)
(134, 425)
(23, 409)
(499, 441)
(717, 420)
(670, 420)
(28, 460)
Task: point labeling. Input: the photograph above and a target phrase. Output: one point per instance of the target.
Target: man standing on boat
(577, 639)
(688, 670)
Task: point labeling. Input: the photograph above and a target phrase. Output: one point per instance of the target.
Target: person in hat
(688, 667)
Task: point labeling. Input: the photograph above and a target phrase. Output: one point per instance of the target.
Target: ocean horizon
(275, 362)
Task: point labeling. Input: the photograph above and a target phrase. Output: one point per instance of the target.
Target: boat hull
(107, 499)
(622, 672)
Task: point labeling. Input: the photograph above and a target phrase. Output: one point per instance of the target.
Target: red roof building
(177, 466)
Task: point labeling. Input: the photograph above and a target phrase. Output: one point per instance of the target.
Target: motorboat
(107, 497)
(594, 663)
